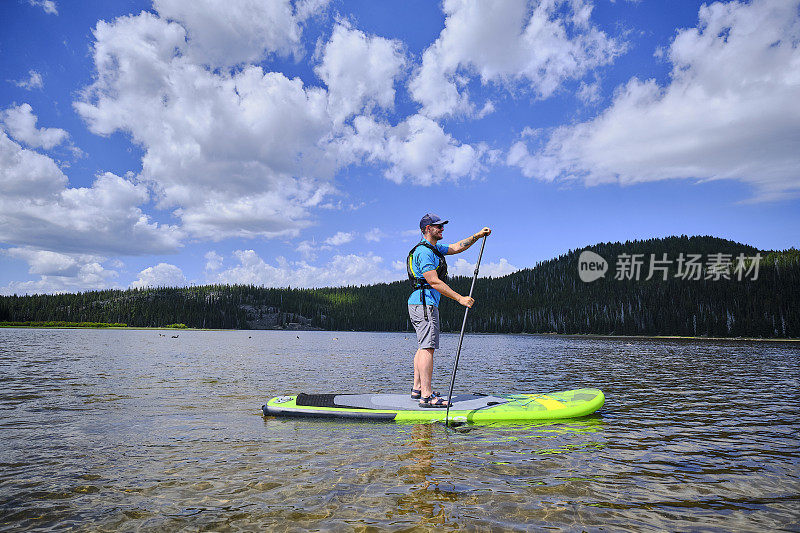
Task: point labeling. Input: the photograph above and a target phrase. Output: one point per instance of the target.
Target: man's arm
(433, 280)
(463, 244)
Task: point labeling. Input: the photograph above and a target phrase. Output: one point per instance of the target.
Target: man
(427, 269)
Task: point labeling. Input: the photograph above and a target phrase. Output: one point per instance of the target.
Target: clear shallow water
(126, 430)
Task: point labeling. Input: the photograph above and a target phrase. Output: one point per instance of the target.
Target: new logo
(591, 266)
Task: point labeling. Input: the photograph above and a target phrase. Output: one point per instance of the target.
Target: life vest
(420, 282)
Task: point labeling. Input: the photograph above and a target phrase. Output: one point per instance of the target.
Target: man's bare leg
(423, 371)
(417, 383)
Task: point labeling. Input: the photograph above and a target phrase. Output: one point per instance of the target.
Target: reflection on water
(124, 430)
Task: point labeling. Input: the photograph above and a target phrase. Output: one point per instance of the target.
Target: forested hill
(712, 288)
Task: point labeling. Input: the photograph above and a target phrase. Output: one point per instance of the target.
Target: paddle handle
(461, 337)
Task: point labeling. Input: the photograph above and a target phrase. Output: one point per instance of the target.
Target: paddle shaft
(461, 337)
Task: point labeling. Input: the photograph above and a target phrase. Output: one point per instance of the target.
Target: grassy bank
(62, 324)
(65, 324)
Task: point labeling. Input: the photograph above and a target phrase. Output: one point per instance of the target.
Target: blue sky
(298, 143)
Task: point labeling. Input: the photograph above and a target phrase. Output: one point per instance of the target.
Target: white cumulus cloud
(462, 267)
(729, 111)
(512, 43)
(63, 232)
(340, 238)
(160, 275)
(45, 262)
(20, 122)
(59, 272)
(309, 248)
(341, 270)
(38, 209)
(359, 71)
(224, 34)
(248, 153)
(417, 150)
(235, 154)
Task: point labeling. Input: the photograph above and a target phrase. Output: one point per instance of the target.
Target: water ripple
(126, 430)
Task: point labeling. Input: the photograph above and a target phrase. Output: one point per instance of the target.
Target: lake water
(122, 430)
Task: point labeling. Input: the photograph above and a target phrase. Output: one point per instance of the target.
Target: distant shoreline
(566, 335)
(121, 327)
(662, 337)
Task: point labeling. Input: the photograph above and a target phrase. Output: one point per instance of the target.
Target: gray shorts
(427, 330)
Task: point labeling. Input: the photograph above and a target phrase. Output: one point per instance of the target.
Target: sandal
(416, 394)
(434, 400)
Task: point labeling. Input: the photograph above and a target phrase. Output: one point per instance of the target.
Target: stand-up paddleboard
(469, 408)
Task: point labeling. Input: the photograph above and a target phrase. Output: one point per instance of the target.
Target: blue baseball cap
(429, 219)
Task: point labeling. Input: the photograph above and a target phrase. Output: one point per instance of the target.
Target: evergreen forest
(761, 300)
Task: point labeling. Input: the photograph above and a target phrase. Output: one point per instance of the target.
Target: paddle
(461, 338)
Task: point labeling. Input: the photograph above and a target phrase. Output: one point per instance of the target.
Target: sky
(298, 143)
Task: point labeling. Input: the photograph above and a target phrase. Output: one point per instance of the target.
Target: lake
(123, 430)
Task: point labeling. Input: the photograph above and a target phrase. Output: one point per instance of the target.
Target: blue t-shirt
(422, 261)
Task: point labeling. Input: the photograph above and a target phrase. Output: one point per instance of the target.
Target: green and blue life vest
(419, 282)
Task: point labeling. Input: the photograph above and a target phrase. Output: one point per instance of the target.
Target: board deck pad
(467, 407)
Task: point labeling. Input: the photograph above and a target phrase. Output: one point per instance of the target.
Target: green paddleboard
(467, 408)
